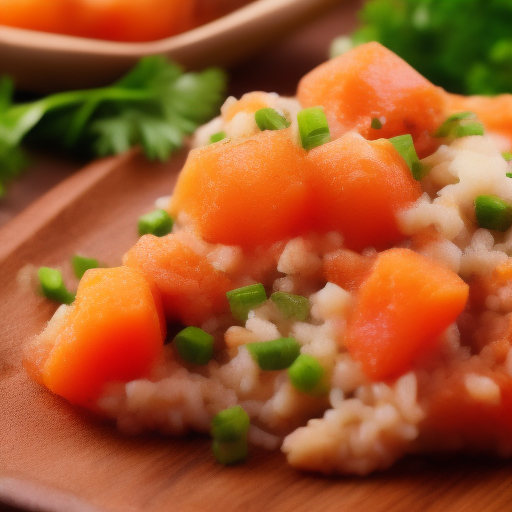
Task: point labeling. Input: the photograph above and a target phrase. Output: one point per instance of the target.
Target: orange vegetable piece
(370, 82)
(246, 192)
(114, 331)
(133, 20)
(347, 269)
(357, 188)
(192, 290)
(249, 103)
(117, 20)
(403, 306)
(59, 16)
(494, 112)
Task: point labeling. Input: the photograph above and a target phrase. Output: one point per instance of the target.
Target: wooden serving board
(59, 458)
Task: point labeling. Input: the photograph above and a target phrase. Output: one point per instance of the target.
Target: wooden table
(277, 69)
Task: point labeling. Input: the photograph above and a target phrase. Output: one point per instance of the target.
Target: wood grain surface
(59, 458)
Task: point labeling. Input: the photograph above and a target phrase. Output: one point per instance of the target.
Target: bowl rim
(236, 20)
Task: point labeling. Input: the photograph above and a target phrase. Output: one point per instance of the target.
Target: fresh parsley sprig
(155, 106)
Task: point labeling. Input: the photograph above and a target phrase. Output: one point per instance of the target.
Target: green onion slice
(469, 129)
(228, 453)
(405, 146)
(276, 354)
(508, 174)
(291, 306)
(507, 155)
(53, 286)
(376, 123)
(242, 300)
(492, 212)
(216, 137)
(307, 374)
(81, 264)
(230, 424)
(269, 119)
(313, 127)
(229, 431)
(156, 223)
(459, 125)
(194, 345)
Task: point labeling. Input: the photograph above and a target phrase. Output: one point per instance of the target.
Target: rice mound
(449, 400)
(361, 426)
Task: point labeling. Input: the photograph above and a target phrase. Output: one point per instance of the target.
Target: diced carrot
(249, 103)
(192, 290)
(246, 192)
(494, 112)
(347, 269)
(403, 306)
(357, 188)
(114, 331)
(370, 82)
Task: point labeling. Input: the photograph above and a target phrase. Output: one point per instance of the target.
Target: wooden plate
(58, 458)
(45, 62)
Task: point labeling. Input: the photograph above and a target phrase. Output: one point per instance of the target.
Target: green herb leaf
(155, 106)
(465, 47)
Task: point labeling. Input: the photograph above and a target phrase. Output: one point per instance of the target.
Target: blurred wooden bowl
(44, 62)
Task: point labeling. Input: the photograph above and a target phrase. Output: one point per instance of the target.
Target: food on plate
(114, 20)
(339, 273)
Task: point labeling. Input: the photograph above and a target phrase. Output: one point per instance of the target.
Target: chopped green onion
(492, 212)
(242, 300)
(81, 264)
(507, 155)
(459, 116)
(306, 375)
(269, 119)
(405, 146)
(459, 125)
(230, 424)
(156, 223)
(469, 129)
(291, 306)
(194, 345)
(275, 354)
(376, 123)
(508, 174)
(228, 453)
(53, 286)
(216, 137)
(229, 431)
(313, 127)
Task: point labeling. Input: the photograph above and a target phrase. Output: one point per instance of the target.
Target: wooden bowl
(46, 62)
